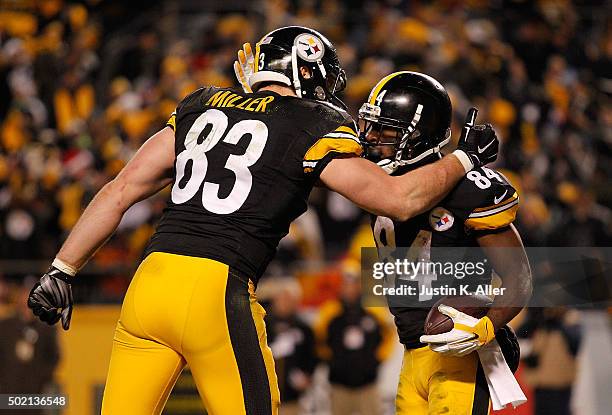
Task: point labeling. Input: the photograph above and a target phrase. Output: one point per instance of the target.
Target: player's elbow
(523, 293)
(527, 285)
(520, 286)
(400, 213)
(525, 280)
(398, 209)
(115, 195)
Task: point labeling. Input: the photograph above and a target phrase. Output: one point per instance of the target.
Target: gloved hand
(51, 298)
(468, 334)
(478, 142)
(245, 66)
(509, 345)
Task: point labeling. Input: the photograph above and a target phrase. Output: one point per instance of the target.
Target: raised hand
(478, 142)
(245, 66)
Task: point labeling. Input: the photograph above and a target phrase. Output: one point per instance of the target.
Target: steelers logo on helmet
(441, 219)
(309, 47)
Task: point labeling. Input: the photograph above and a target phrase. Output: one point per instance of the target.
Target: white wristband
(65, 268)
(464, 160)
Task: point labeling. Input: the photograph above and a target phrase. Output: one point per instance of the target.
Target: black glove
(478, 142)
(509, 345)
(51, 298)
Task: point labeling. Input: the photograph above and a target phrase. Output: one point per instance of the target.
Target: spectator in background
(551, 358)
(353, 341)
(293, 346)
(585, 224)
(29, 351)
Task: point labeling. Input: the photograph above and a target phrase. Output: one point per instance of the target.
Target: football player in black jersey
(241, 167)
(404, 125)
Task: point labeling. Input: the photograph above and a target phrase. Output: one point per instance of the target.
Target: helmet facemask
(409, 146)
(335, 81)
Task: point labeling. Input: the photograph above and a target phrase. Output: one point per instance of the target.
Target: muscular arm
(512, 265)
(146, 173)
(397, 197)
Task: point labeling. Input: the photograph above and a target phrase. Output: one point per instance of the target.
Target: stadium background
(83, 84)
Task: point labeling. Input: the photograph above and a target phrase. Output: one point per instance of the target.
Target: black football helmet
(280, 54)
(417, 107)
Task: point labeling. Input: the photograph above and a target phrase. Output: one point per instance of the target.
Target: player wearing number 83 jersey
(245, 164)
(239, 180)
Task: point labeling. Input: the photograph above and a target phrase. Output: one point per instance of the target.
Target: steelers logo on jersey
(309, 47)
(441, 219)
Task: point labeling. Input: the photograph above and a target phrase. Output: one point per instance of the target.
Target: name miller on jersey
(229, 99)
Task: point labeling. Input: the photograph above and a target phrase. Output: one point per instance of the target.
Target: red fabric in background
(525, 409)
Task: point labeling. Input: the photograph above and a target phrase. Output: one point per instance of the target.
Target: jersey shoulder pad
(323, 110)
(319, 118)
(486, 199)
(189, 101)
(335, 137)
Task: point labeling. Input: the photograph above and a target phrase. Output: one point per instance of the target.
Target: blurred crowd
(83, 84)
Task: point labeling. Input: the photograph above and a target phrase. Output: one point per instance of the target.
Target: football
(474, 305)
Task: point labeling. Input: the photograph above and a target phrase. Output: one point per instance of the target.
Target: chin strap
(390, 166)
(409, 130)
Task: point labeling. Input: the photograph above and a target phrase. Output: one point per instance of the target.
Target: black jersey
(245, 166)
(482, 202)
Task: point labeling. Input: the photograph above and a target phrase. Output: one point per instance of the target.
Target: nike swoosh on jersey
(480, 150)
(497, 200)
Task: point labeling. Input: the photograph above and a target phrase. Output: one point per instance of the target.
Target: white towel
(503, 387)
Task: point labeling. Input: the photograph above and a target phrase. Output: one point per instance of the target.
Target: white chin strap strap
(391, 166)
(424, 154)
(410, 130)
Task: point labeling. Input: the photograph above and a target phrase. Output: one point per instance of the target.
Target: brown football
(473, 305)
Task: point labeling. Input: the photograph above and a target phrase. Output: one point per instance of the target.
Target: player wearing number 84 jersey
(241, 167)
(404, 124)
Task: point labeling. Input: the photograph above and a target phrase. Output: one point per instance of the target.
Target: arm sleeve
(341, 142)
(193, 97)
(497, 208)
(172, 121)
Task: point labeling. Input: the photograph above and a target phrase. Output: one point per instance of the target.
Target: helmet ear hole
(320, 92)
(305, 72)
